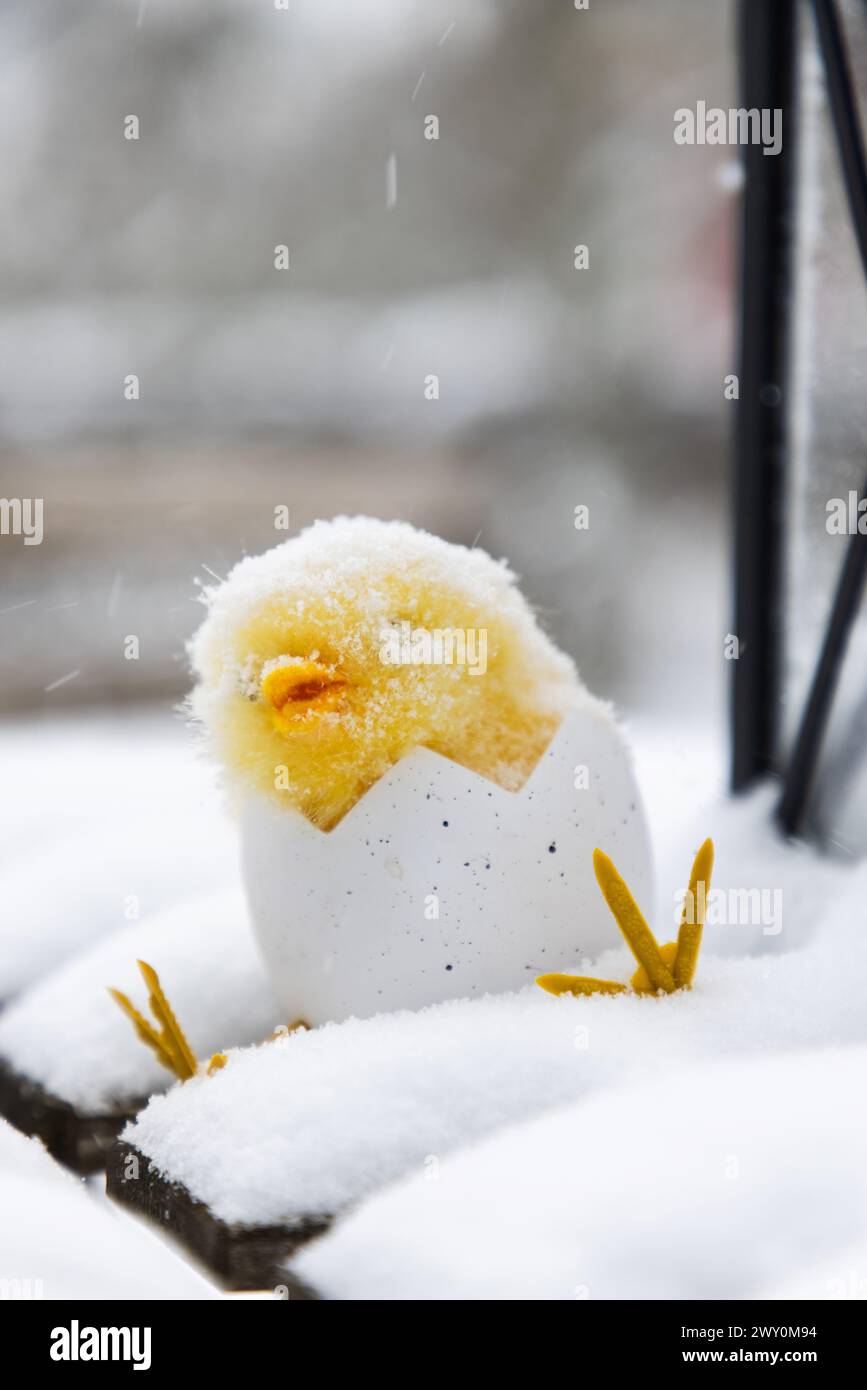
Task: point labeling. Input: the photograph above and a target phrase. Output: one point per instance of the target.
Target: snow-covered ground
(67, 1034)
(384, 1097)
(104, 821)
(709, 1144)
(58, 1240)
(719, 1180)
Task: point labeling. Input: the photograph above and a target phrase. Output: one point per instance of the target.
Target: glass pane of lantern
(828, 459)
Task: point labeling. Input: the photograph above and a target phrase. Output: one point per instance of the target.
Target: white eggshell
(347, 921)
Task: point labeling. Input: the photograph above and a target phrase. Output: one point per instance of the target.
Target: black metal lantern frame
(768, 56)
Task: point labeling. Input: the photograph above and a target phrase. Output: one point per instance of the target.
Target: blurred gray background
(305, 387)
(829, 455)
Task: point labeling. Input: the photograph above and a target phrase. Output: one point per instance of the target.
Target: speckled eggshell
(439, 884)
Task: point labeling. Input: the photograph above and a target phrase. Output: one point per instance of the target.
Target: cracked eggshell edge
(438, 884)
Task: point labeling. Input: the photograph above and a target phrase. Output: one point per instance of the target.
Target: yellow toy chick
(323, 662)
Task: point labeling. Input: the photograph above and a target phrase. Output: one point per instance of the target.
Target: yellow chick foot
(168, 1042)
(661, 969)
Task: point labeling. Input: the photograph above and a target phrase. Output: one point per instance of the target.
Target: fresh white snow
(512, 1146)
(59, 1241)
(101, 824)
(319, 1121)
(704, 1182)
(68, 1034)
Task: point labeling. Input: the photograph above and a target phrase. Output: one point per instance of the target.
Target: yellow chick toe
(627, 914)
(578, 984)
(692, 917)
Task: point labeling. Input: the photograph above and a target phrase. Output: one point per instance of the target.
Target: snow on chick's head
(324, 661)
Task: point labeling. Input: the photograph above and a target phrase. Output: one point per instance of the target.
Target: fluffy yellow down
(301, 699)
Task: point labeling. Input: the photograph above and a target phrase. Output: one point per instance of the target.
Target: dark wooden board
(240, 1257)
(78, 1140)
